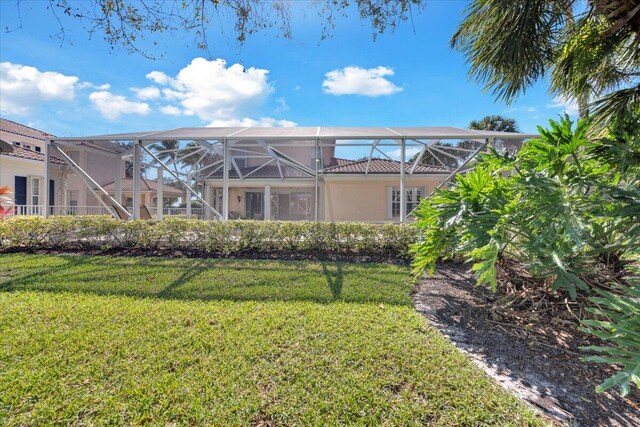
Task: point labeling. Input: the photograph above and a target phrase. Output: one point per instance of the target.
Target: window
(35, 191)
(38, 149)
(16, 143)
(414, 195)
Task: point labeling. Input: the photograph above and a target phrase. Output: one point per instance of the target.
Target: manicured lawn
(113, 340)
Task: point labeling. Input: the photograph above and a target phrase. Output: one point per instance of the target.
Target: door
(254, 204)
(21, 194)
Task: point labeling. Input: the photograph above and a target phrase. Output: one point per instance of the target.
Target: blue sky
(407, 78)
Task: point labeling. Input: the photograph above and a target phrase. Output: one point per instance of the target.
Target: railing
(195, 212)
(98, 210)
(60, 210)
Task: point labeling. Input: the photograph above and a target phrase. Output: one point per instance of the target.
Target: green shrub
(617, 322)
(213, 237)
(565, 207)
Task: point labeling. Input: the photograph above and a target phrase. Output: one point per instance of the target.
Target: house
(22, 168)
(349, 190)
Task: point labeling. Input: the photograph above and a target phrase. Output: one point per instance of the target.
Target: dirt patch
(538, 361)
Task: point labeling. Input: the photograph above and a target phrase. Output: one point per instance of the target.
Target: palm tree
(591, 56)
(500, 124)
(495, 123)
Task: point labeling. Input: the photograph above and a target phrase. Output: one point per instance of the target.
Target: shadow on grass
(335, 279)
(211, 280)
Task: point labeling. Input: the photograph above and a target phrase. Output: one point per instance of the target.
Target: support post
(267, 202)
(137, 171)
(189, 195)
(225, 180)
(315, 175)
(403, 192)
(160, 194)
(118, 180)
(47, 177)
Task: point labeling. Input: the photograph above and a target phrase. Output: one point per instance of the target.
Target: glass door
(254, 204)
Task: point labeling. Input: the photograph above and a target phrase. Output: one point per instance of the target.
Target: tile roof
(379, 166)
(266, 172)
(23, 153)
(148, 185)
(18, 129)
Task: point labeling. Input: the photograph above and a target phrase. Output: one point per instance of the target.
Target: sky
(409, 77)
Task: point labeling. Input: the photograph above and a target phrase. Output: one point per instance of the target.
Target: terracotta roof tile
(23, 153)
(380, 166)
(148, 185)
(18, 129)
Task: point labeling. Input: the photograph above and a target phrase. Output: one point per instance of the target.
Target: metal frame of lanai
(211, 148)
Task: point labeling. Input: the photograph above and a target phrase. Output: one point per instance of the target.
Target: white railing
(60, 210)
(97, 210)
(195, 212)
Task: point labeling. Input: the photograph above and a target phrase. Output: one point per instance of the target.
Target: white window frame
(412, 193)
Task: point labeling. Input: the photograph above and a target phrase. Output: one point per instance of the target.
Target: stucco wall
(10, 167)
(366, 199)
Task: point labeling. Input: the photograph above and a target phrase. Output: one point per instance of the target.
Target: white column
(206, 195)
(225, 180)
(403, 192)
(118, 180)
(137, 172)
(160, 194)
(315, 175)
(47, 177)
(189, 195)
(267, 202)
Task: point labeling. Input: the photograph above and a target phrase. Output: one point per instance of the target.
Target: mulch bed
(534, 355)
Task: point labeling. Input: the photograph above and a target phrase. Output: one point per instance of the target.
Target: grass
(112, 340)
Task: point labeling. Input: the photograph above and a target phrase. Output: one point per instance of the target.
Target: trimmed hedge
(211, 237)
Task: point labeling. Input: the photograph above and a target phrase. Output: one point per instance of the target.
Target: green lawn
(112, 340)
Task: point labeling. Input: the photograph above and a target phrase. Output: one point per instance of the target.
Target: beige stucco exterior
(341, 198)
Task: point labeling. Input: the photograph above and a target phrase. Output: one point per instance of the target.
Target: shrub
(211, 237)
(565, 207)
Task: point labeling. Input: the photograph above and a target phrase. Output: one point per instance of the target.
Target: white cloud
(360, 81)
(247, 122)
(410, 151)
(171, 110)
(24, 88)
(569, 105)
(158, 77)
(149, 92)
(219, 94)
(113, 106)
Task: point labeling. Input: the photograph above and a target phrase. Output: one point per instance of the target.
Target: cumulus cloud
(360, 81)
(568, 105)
(158, 77)
(149, 92)
(171, 110)
(24, 88)
(113, 106)
(221, 94)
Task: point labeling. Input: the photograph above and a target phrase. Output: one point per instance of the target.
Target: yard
(120, 340)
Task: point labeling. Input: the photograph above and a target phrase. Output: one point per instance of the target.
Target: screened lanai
(286, 172)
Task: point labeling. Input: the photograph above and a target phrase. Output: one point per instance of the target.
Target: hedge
(210, 237)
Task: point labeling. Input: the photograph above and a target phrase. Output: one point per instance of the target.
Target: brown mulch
(535, 355)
